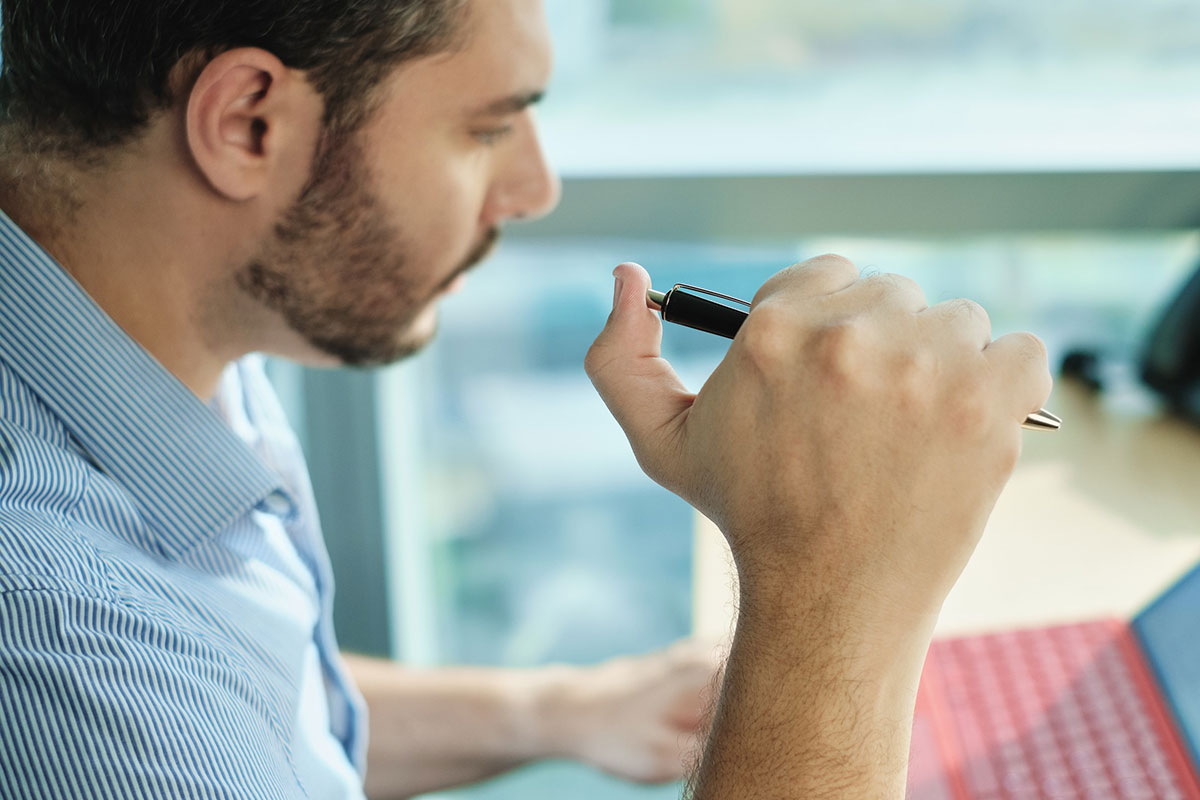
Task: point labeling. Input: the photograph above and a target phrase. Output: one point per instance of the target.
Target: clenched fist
(850, 446)
(637, 718)
(851, 428)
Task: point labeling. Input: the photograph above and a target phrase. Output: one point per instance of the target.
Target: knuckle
(970, 311)
(832, 271)
(766, 339)
(915, 373)
(1034, 348)
(889, 286)
(1028, 358)
(831, 262)
(824, 271)
(837, 350)
(1038, 360)
(888, 282)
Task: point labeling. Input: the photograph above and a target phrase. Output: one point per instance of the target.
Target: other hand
(640, 718)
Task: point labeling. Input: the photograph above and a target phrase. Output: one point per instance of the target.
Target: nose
(527, 188)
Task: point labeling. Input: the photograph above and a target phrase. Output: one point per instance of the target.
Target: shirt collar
(181, 464)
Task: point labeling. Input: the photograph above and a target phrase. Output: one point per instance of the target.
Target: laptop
(1104, 710)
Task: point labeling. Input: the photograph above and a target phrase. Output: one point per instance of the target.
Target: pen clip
(702, 309)
(711, 293)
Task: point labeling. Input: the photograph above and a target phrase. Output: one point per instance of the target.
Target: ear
(248, 117)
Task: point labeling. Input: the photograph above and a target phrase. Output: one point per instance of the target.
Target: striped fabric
(165, 596)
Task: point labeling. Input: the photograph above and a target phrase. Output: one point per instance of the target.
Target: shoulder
(45, 480)
(102, 701)
(41, 485)
(21, 407)
(39, 464)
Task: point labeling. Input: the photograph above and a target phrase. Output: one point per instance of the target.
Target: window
(777, 86)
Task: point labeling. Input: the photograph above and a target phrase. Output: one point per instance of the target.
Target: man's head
(88, 74)
(350, 158)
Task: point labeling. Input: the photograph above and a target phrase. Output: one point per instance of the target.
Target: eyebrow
(514, 104)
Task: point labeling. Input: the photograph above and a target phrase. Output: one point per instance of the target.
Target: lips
(456, 285)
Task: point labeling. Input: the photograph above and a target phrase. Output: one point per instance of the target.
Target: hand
(640, 718)
(850, 446)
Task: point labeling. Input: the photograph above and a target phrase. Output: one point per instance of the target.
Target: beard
(336, 270)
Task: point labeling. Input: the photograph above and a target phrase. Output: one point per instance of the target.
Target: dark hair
(83, 75)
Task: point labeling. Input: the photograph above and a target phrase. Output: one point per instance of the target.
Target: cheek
(440, 218)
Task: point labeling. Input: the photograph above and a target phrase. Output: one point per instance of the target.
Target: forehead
(505, 49)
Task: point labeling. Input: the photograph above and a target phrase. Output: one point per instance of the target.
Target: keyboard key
(1052, 713)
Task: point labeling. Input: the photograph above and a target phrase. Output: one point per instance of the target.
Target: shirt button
(278, 504)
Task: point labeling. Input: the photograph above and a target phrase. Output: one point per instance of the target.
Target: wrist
(820, 582)
(549, 719)
(851, 622)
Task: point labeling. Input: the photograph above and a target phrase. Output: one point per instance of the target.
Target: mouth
(456, 284)
(478, 253)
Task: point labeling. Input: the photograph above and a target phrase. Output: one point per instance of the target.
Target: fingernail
(617, 290)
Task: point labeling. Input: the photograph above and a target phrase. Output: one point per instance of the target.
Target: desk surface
(1097, 520)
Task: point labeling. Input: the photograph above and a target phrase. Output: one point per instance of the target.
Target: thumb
(639, 387)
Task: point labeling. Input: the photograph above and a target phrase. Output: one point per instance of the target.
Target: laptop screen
(1169, 632)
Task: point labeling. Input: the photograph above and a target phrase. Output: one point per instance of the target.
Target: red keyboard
(1065, 712)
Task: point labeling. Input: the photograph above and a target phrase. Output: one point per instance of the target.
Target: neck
(144, 260)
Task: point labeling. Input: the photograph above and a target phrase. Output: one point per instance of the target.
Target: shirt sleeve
(98, 700)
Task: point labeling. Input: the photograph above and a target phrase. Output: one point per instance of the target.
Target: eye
(492, 136)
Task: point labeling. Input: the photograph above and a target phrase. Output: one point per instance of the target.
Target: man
(190, 182)
(164, 627)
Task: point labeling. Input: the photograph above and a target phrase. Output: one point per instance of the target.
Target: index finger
(823, 275)
(1020, 363)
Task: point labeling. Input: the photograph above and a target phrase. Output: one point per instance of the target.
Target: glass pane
(750, 86)
(550, 544)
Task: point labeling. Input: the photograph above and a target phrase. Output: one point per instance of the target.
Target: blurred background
(481, 506)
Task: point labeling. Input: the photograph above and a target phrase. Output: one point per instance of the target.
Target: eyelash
(493, 136)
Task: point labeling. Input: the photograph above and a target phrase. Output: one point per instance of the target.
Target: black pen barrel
(684, 307)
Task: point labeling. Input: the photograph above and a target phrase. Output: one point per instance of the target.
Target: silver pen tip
(1042, 420)
(655, 299)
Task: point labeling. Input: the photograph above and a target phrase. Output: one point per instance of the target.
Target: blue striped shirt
(165, 595)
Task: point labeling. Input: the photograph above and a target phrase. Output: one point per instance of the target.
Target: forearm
(850, 446)
(812, 709)
(433, 729)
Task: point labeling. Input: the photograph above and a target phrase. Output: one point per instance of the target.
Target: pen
(722, 315)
